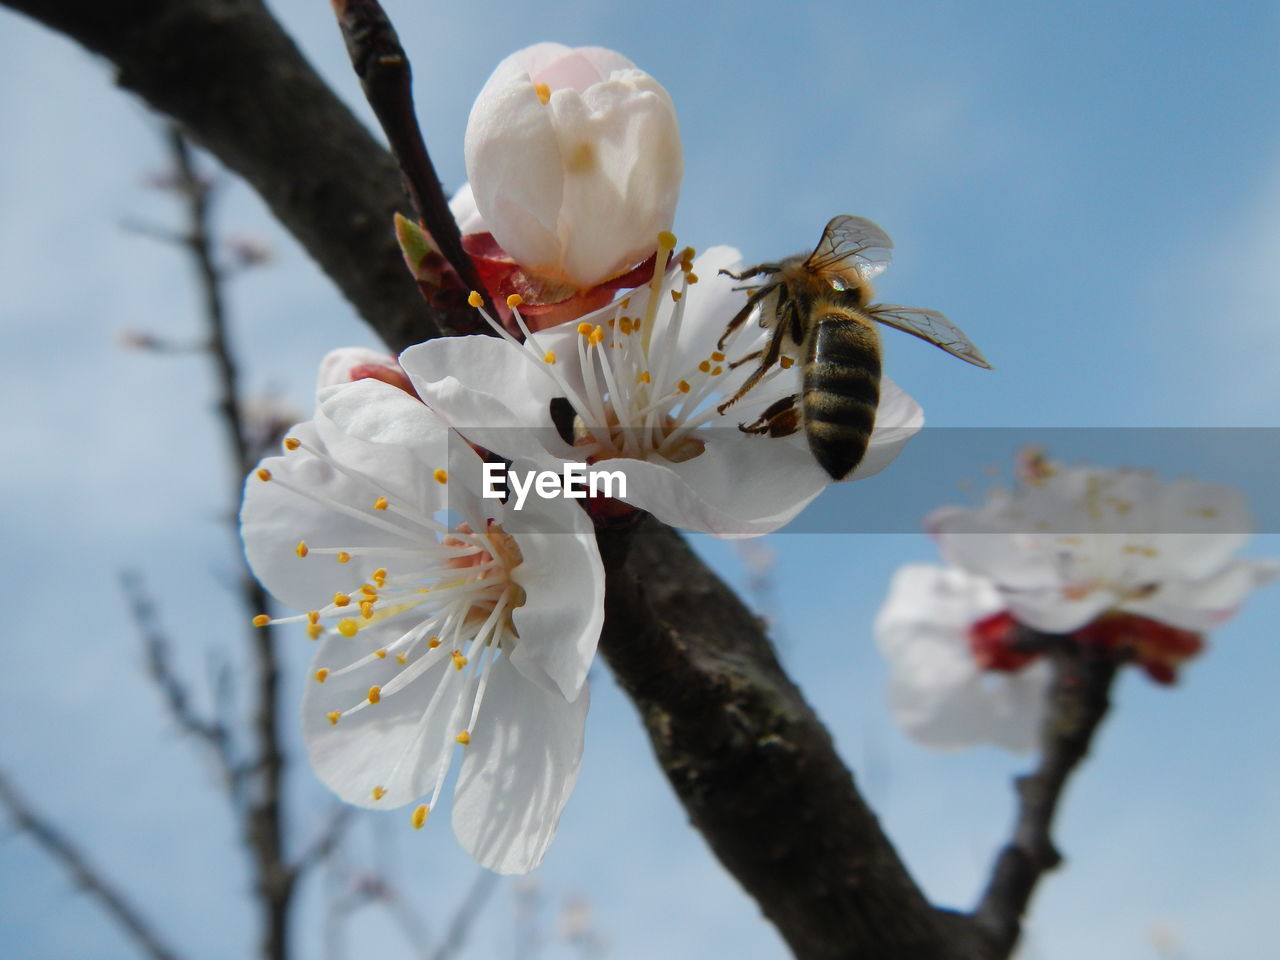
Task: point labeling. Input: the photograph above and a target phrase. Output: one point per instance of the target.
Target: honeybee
(821, 316)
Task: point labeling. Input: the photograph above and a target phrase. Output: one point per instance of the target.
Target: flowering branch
(1078, 702)
(746, 754)
(52, 841)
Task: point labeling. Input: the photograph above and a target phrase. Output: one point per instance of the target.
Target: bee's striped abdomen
(841, 390)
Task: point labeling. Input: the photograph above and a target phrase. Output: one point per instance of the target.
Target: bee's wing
(853, 241)
(929, 325)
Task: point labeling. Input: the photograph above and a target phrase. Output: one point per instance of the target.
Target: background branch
(213, 733)
(85, 875)
(262, 815)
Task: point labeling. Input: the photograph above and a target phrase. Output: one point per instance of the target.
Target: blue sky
(1091, 190)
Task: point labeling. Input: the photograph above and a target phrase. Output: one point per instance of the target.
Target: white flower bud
(575, 161)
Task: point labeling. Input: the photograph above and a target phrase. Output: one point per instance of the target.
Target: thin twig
(1078, 702)
(86, 876)
(209, 731)
(383, 68)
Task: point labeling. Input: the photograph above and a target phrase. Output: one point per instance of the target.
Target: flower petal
(563, 580)
(1206, 604)
(520, 768)
(937, 692)
(397, 744)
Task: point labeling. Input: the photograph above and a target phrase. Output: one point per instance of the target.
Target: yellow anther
(716, 371)
(261, 620)
(341, 600)
(419, 816)
(322, 675)
(334, 717)
(292, 443)
(380, 654)
(475, 299)
(626, 303)
(459, 661)
(786, 363)
(688, 254)
(463, 738)
(597, 336)
(264, 474)
(514, 300)
(348, 627)
(313, 616)
(402, 658)
(584, 329)
(314, 630)
(380, 503)
(380, 576)
(626, 326)
(301, 548)
(543, 92)
(718, 357)
(378, 793)
(442, 476)
(368, 589)
(705, 366)
(366, 609)
(433, 642)
(644, 377)
(611, 323)
(549, 357)
(1207, 512)
(676, 295)
(344, 557)
(375, 693)
(683, 386)
(667, 240)
(691, 277)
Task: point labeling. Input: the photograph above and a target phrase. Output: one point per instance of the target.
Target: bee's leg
(781, 419)
(740, 317)
(771, 354)
(754, 355)
(755, 271)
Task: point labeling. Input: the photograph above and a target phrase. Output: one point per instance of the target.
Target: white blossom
(638, 383)
(445, 622)
(574, 162)
(940, 693)
(1071, 543)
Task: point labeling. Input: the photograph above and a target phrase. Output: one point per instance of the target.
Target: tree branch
(752, 764)
(86, 876)
(380, 63)
(1078, 702)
